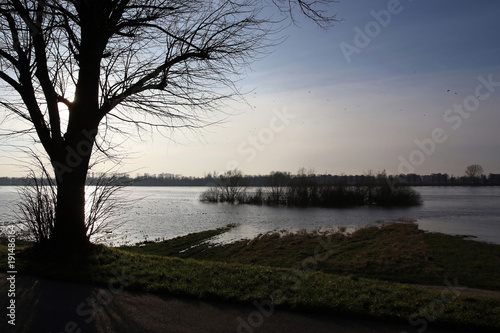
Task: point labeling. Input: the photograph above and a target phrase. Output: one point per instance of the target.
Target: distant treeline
(437, 179)
(307, 189)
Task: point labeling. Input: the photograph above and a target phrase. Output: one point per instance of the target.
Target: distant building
(410, 179)
(436, 179)
(494, 179)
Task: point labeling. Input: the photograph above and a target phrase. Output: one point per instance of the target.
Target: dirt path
(44, 305)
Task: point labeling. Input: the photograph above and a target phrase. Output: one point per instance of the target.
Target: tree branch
(13, 83)
(42, 73)
(140, 86)
(25, 87)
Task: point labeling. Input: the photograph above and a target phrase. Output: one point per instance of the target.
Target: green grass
(351, 276)
(397, 252)
(477, 264)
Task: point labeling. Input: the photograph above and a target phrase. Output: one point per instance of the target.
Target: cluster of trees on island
(308, 189)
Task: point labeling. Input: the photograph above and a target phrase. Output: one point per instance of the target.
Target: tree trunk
(71, 168)
(69, 229)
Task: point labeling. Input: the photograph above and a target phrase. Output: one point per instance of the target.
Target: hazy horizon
(96, 174)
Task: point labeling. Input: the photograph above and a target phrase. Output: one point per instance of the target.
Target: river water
(164, 212)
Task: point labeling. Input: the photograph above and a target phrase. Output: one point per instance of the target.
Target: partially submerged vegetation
(181, 247)
(327, 272)
(307, 189)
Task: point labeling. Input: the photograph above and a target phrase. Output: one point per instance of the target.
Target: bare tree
(148, 63)
(36, 212)
(303, 188)
(474, 173)
(278, 183)
(231, 185)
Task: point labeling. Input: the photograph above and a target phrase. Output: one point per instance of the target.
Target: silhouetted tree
(474, 173)
(390, 192)
(278, 183)
(232, 186)
(367, 185)
(149, 63)
(303, 189)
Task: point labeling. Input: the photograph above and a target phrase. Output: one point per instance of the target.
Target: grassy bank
(321, 272)
(397, 252)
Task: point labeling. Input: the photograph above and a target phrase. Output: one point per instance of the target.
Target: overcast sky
(413, 87)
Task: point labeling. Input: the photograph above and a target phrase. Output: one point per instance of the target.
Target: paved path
(44, 305)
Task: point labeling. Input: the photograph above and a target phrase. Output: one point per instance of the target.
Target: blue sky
(395, 105)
